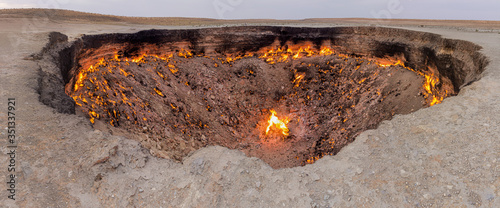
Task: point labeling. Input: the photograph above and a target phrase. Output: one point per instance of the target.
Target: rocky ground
(447, 155)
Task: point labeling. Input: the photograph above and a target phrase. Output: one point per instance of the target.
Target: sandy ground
(447, 155)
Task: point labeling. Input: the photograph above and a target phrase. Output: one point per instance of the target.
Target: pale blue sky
(277, 9)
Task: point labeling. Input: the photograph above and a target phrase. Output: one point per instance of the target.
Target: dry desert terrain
(447, 155)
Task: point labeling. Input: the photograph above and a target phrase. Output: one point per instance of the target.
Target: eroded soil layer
(183, 90)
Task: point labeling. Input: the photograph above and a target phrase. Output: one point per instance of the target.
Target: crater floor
(447, 155)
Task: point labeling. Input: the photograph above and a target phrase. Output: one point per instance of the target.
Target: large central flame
(277, 124)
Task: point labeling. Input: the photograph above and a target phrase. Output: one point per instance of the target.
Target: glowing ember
(298, 78)
(277, 124)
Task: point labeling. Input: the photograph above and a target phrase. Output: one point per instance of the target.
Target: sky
(278, 9)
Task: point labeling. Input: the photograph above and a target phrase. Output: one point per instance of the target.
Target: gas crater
(286, 95)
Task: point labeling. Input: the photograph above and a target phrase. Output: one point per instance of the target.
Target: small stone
(315, 177)
(359, 170)
(197, 166)
(403, 173)
(141, 190)
(182, 145)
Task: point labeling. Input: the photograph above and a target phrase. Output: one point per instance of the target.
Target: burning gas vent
(286, 95)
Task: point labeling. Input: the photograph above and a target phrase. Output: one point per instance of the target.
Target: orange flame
(430, 84)
(158, 92)
(280, 55)
(298, 78)
(386, 63)
(278, 124)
